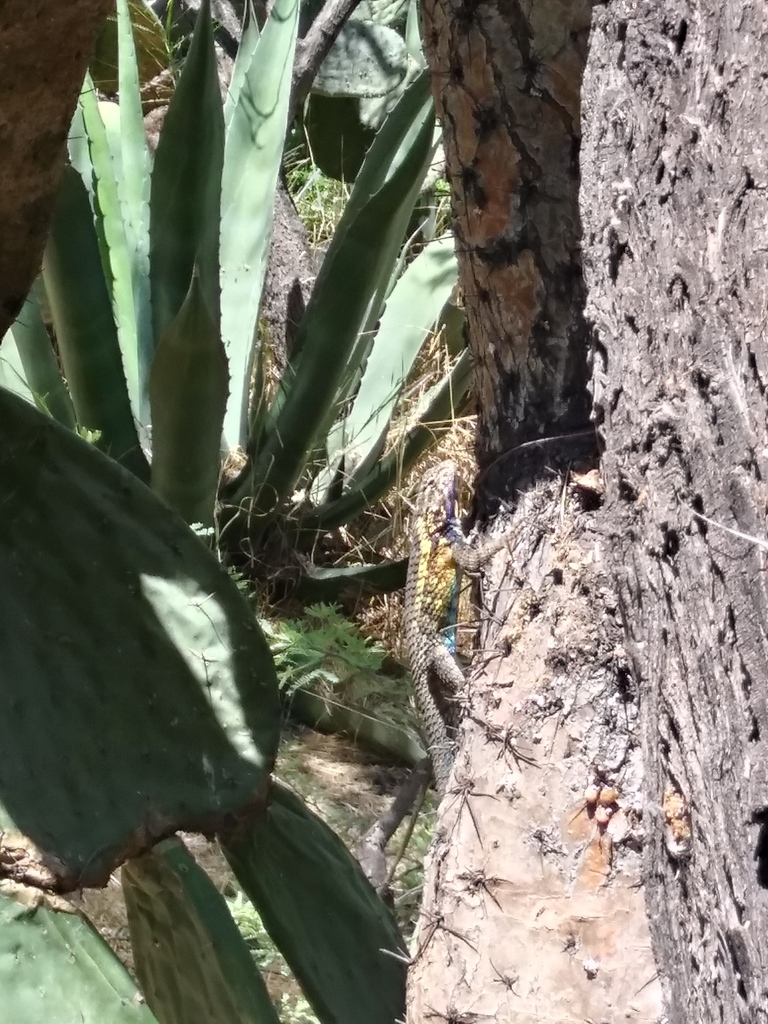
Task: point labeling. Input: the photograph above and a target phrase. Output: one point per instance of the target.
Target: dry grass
(320, 200)
(382, 532)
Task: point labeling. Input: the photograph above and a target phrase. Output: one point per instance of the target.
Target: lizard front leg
(471, 557)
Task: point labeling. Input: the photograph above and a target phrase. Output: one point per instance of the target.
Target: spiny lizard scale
(439, 552)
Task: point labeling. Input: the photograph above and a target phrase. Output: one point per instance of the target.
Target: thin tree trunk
(507, 89)
(45, 46)
(675, 206)
(532, 907)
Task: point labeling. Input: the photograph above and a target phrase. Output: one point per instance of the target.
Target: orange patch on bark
(595, 866)
(498, 168)
(519, 292)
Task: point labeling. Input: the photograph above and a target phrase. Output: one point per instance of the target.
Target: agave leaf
(133, 174)
(413, 35)
(394, 257)
(186, 185)
(100, 178)
(54, 966)
(12, 374)
(407, 321)
(136, 256)
(86, 335)
(337, 140)
(338, 937)
(400, 137)
(152, 57)
(253, 151)
(403, 257)
(353, 276)
(191, 960)
(335, 445)
(451, 326)
(243, 58)
(328, 585)
(392, 243)
(28, 364)
(188, 393)
(139, 695)
(364, 491)
(374, 109)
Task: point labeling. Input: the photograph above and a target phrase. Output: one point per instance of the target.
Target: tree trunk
(45, 46)
(675, 207)
(532, 907)
(507, 89)
(616, 713)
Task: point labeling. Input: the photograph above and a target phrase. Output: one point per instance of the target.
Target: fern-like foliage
(326, 653)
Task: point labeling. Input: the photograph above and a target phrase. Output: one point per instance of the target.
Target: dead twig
(371, 848)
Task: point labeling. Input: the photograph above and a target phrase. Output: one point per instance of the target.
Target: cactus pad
(336, 934)
(55, 967)
(137, 693)
(191, 960)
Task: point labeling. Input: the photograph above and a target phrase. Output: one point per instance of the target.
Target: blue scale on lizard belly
(451, 618)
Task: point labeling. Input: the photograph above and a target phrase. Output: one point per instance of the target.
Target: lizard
(438, 553)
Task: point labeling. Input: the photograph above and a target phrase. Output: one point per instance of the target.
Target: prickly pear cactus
(338, 937)
(138, 693)
(365, 60)
(54, 966)
(191, 960)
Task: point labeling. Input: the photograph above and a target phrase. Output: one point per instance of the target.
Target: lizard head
(438, 493)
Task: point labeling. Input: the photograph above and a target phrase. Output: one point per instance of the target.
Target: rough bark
(506, 79)
(532, 908)
(45, 46)
(675, 208)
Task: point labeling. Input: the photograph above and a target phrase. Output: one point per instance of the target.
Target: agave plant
(139, 694)
(153, 276)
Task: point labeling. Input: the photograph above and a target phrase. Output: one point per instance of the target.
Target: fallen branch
(371, 849)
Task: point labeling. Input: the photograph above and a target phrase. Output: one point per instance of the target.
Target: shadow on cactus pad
(138, 693)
